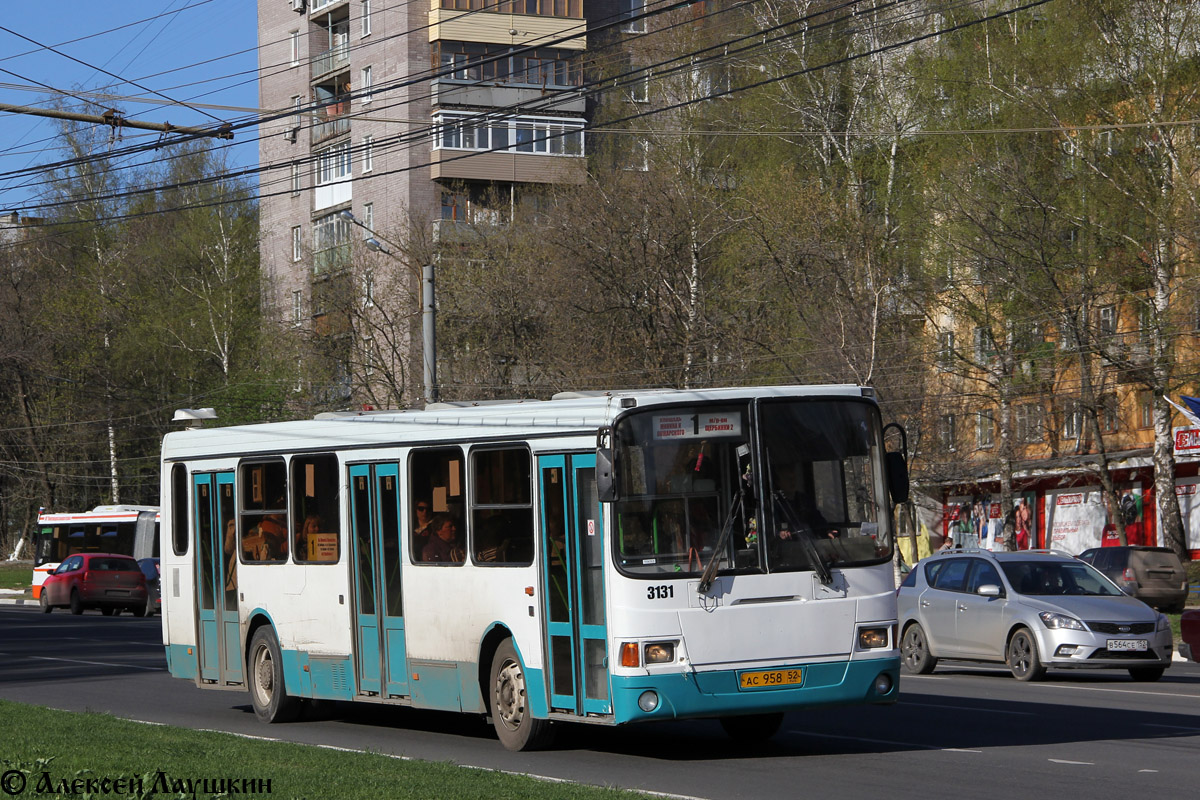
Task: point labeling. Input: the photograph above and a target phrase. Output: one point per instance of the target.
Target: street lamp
(428, 311)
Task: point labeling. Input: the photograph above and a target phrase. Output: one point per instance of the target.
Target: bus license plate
(766, 679)
(1128, 645)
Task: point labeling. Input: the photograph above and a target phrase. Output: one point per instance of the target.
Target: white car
(1030, 610)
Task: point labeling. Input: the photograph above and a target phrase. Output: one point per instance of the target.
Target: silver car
(1030, 610)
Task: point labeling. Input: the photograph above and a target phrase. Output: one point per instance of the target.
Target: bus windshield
(691, 490)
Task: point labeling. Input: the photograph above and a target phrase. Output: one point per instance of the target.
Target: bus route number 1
(660, 592)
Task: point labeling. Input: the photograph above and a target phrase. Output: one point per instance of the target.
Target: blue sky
(203, 54)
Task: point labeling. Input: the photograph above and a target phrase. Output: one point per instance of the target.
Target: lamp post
(428, 311)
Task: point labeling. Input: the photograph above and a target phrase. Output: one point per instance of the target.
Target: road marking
(970, 708)
(888, 742)
(98, 663)
(1075, 763)
(1117, 691)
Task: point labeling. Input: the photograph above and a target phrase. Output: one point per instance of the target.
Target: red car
(105, 581)
(1189, 632)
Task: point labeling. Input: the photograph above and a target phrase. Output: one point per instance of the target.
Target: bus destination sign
(697, 426)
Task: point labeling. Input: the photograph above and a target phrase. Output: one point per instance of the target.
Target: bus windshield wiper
(804, 534)
(710, 571)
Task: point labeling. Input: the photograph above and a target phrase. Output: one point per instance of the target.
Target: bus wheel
(752, 727)
(76, 603)
(45, 601)
(265, 666)
(515, 726)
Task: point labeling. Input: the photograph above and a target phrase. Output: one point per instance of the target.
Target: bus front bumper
(683, 695)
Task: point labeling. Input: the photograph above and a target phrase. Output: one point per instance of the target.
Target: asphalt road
(964, 732)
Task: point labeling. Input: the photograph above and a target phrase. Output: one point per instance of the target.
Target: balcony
(331, 121)
(331, 259)
(332, 60)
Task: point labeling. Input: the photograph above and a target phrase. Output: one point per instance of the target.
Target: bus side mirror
(606, 483)
(897, 470)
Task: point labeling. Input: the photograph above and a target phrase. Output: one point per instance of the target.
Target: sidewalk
(15, 597)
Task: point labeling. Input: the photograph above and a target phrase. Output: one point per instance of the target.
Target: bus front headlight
(660, 652)
(872, 638)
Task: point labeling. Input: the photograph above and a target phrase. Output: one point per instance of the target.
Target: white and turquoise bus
(606, 558)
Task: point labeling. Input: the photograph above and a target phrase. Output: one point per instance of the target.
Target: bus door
(218, 642)
(378, 607)
(573, 577)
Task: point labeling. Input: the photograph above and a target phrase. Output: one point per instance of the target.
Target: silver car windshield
(1057, 578)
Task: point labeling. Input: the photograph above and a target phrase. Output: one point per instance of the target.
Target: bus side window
(264, 512)
(316, 535)
(435, 481)
(502, 507)
(179, 508)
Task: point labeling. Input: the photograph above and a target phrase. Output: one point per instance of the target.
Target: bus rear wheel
(752, 727)
(515, 725)
(264, 666)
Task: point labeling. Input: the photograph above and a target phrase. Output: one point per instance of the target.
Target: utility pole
(113, 118)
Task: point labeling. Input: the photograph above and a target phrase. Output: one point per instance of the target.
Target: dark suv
(1154, 575)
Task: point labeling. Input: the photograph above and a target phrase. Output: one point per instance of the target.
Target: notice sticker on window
(697, 426)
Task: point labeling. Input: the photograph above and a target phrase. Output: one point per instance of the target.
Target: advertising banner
(1075, 519)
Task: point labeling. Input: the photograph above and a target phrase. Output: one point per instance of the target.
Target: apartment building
(416, 117)
(1052, 452)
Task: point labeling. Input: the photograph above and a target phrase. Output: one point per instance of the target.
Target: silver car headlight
(1164, 624)
(1061, 621)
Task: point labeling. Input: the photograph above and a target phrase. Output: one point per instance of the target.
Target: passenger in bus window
(421, 528)
(443, 546)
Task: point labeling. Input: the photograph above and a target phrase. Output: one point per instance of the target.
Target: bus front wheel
(265, 667)
(515, 725)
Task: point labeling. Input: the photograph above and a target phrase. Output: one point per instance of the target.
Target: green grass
(88, 745)
(15, 575)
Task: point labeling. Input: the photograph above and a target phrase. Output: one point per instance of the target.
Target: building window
(1072, 421)
(1146, 409)
(368, 289)
(366, 85)
(297, 307)
(454, 206)
(985, 429)
(639, 88)
(333, 164)
(948, 434)
(293, 130)
(502, 63)
(945, 354)
(542, 8)
(1027, 423)
(331, 243)
(985, 351)
(297, 244)
(366, 17)
(1109, 413)
(1107, 323)
(296, 179)
(628, 10)
(368, 153)
(294, 38)
(368, 220)
(551, 136)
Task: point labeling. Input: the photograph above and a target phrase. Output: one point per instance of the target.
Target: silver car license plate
(1128, 645)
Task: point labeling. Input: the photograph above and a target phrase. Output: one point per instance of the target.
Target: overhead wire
(506, 110)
